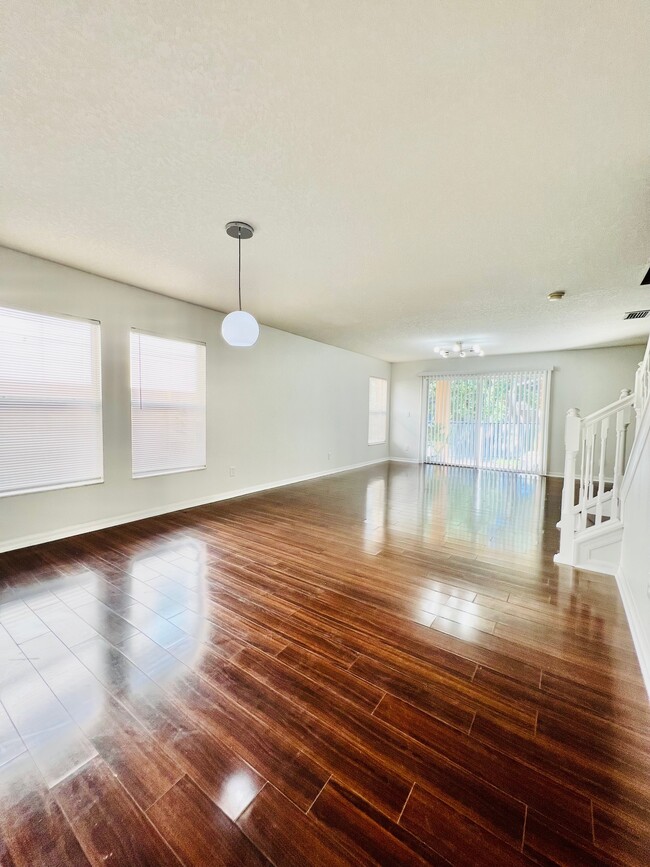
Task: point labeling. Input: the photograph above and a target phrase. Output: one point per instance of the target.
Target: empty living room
(324, 433)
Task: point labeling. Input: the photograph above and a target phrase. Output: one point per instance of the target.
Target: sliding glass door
(494, 421)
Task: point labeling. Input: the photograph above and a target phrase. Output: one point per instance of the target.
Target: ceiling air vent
(637, 314)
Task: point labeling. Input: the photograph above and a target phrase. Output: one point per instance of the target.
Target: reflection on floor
(383, 666)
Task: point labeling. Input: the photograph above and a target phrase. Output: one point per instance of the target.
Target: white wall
(274, 411)
(586, 378)
(634, 572)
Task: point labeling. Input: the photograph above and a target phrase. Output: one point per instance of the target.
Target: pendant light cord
(239, 242)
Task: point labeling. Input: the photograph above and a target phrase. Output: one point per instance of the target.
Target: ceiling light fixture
(556, 296)
(459, 350)
(240, 328)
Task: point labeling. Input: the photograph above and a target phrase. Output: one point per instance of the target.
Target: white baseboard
(600, 567)
(640, 636)
(405, 460)
(105, 523)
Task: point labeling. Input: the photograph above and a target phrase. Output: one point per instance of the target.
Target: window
(377, 411)
(167, 405)
(492, 421)
(50, 402)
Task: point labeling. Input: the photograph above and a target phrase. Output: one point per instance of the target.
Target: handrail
(626, 399)
(642, 383)
(589, 504)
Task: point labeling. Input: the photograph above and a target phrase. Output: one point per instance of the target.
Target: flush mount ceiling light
(459, 350)
(240, 328)
(556, 296)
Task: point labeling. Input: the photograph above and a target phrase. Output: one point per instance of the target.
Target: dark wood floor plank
(359, 628)
(433, 699)
(366, 832)
(608, 713)
(107, 823)
(355, 689)
(326, 741)
(481, 801)
(142, 766)
(547, 844)
(33, 827)
(288, 836)
(378, 666)
(561, 804)
(181, 716)
(596, 742)
(229, 781)
(599, 776)
(615, 701)
(199, 832)
(624, 834)
(452, 835)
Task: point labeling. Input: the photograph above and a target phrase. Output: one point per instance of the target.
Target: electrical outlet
(232, 472)
(329, 456)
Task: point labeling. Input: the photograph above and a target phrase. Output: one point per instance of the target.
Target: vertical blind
(50, 402)
(377, 411)
(168, 405)
(491, 421)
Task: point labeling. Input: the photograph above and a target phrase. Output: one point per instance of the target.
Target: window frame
(171, 472)
(100, 479)
(383, 412)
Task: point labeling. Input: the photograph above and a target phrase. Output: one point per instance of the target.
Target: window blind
(50, 402)
(377, 411)
(490, 421)
(168, 405)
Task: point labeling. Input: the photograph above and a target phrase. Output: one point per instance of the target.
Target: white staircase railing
(642, 383)
(595, 459)
(594, 466)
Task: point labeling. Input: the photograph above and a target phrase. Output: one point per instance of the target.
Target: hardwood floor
(379, 667)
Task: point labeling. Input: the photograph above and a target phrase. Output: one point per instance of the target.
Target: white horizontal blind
(377, 411)
(50, 402)
(490, 421)
(168, 405)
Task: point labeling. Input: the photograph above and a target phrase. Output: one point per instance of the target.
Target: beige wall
(275, 412)
(586, 378)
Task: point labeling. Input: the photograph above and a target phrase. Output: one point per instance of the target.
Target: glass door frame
(424, 393)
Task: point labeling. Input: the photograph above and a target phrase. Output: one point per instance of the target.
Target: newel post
(567, 519)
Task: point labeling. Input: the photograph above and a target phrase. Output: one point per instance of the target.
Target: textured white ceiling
(416, 170)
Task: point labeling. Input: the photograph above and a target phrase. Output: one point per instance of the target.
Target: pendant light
(240, 328)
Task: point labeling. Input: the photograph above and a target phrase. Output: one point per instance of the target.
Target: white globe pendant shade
(240, 329)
